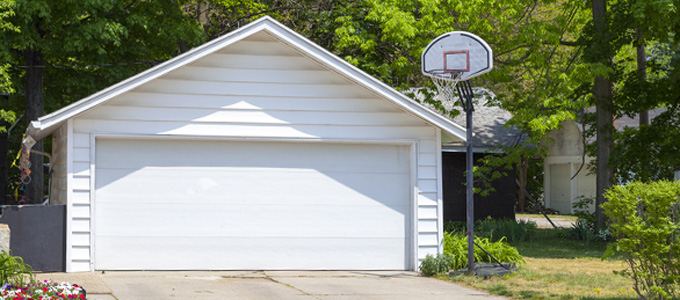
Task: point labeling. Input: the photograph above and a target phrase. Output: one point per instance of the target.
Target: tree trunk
(642, 71)
(34, 108)
(4, 177)
(522, 178)
(602, 90)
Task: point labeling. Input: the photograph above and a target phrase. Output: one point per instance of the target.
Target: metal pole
(465, 95)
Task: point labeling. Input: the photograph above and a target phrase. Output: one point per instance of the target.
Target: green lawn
(557, 268)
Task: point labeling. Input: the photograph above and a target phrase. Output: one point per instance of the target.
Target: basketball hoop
(449, 59)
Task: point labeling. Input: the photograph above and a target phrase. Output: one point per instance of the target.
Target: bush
(13, 270)
(496, 229)
(646, 224)
(433, 265)
(456, 246)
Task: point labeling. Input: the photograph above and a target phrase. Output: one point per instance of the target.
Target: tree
(68, 49)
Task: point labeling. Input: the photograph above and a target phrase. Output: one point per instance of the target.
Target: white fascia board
(46, 124)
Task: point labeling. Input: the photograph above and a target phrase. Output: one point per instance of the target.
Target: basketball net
(446, 85)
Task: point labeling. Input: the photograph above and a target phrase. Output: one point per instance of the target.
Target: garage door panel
(251, 254)
(251, 205)
(249, 220)
(336, 157)
(268, 186)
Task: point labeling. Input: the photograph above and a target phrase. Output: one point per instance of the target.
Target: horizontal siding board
(80, 265)
(81, 140)
(282, 131)
(80, 252)
(254, 117)
(197, 73)
(427, 199)
(428, 239)
(80, 225)
(424, 251)
(253, 89)
(80, 239)
(429, 226)
(427, 212)
(81, 168)
(81, 197)
(427, 159)
(81, 182)
(81, 154)
(245, 61)
(427, 172)
(260, 47)
(427, 185)
(80, 210)
(141, 99)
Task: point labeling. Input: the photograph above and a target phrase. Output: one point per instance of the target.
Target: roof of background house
(488, 123)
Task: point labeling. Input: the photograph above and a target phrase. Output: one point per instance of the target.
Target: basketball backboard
(458, 53)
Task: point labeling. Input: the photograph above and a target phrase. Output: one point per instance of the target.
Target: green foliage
(433, 265)
(13, 270)
(496, 230)
(645, 219)
(584, 227)
(456, 246)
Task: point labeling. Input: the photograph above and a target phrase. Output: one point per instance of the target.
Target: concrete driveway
(294, 285)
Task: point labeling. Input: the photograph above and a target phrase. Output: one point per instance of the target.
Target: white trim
(45, 125)
(69, 192)
(93, 201)
(440, 191)
(412, 143)
(415, 246)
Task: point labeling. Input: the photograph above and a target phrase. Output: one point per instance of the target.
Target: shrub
(433, 265)
(13, 270)
(646, 224)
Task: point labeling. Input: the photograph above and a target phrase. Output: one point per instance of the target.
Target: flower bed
(45, 290)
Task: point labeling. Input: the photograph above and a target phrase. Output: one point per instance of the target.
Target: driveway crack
(266, 276)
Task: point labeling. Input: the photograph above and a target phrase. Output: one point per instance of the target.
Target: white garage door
(218, 205)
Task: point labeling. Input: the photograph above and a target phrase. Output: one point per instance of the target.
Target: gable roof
(49, 123)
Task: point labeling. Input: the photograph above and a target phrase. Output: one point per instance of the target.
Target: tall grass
(495, 230)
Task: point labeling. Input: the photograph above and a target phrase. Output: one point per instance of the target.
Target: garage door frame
(412, 144)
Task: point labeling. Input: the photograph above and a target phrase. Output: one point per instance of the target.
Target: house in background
(258, 150)
(490, 133)
(566, 177)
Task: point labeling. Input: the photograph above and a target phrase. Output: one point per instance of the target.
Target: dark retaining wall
(38, 235)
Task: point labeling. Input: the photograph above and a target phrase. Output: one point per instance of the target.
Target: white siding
(270, 91)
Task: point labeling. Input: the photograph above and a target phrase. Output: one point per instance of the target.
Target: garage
(250, 205)
(258, 150)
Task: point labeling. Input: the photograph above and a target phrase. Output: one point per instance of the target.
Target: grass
(564, 217)
(558, 269)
